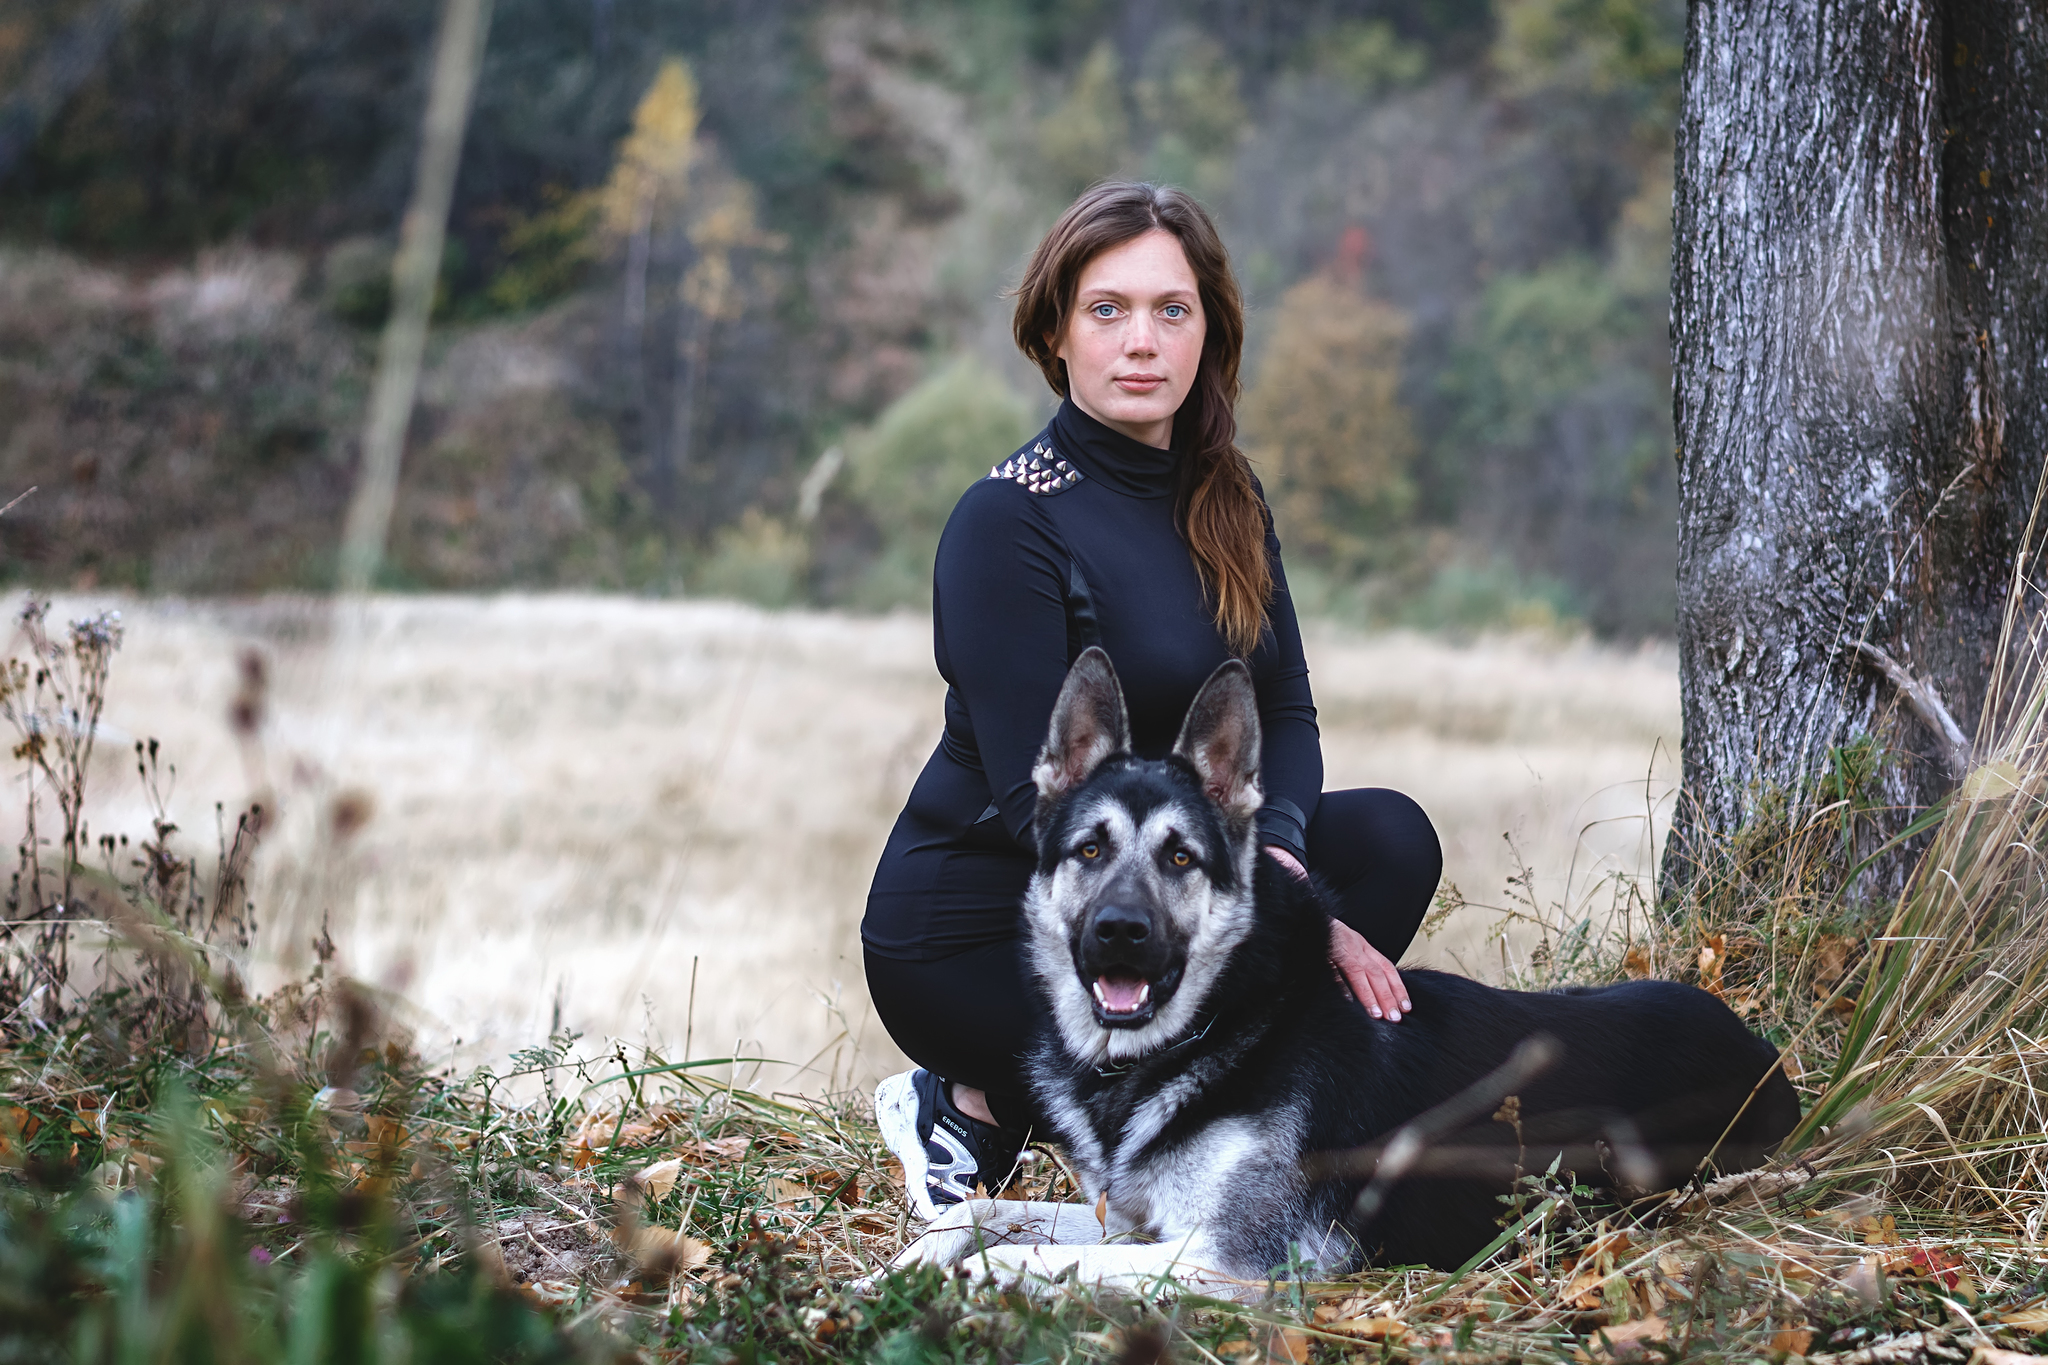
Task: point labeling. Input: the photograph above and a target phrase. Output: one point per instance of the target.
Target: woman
(1132, 521)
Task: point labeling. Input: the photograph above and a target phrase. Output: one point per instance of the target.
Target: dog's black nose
(1119, 925)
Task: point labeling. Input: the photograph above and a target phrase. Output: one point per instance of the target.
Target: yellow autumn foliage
(653, 167)
(1326, 425)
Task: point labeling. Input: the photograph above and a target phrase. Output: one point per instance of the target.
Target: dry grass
(577, 798)
(630, 1202)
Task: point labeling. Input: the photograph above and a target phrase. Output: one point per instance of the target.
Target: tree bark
(1860, 347)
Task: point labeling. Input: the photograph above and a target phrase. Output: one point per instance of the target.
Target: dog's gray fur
(1181, 1196)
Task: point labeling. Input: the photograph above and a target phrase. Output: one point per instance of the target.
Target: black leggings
(969, 1016)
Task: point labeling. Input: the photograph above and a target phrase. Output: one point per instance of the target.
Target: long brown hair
(1216, 505)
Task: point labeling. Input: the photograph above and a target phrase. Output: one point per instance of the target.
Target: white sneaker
(945, 1154)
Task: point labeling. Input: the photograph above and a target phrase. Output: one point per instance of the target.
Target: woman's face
(1134, 339)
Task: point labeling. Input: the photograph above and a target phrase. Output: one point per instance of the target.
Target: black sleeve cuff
(1281, 822)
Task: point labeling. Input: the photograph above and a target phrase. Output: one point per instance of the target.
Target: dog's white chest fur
(1169, 1194)
(1171, 1191)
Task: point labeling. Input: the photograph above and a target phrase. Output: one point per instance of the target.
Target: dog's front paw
(1152, 1272)
(970, 1228)
(953, 1236)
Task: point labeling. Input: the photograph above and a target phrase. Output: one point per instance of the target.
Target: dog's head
(1144, 874)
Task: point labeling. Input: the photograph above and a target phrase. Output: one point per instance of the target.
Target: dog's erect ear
(1221, 737)
(1088, 725)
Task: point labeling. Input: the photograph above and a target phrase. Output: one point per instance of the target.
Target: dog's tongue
(1122, 994)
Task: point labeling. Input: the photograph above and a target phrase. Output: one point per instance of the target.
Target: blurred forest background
(722, 307)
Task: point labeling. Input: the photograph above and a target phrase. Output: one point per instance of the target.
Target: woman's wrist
(1286, 859)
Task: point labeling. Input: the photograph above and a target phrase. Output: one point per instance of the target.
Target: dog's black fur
(1647, 1069)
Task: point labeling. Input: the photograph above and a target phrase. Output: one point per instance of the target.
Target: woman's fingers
(1367, 990)
(1373, 980)
(1388, 986)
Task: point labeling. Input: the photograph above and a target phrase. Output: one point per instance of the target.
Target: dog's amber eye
(1181, 858)
(1091, 850)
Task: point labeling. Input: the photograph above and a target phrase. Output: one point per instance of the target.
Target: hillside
(1452, 221)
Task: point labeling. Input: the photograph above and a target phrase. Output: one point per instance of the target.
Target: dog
(1232, 1113)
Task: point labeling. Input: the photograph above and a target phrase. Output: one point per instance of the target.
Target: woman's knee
(1377, 832)
(967, 1017)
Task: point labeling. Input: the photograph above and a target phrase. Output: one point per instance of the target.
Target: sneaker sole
(896, 1115)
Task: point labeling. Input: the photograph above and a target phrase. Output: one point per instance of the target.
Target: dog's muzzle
(1126, 964)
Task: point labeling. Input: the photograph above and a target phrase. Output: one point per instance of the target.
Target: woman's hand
(1373, 981)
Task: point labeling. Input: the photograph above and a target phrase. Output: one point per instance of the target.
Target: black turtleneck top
(1070, 542)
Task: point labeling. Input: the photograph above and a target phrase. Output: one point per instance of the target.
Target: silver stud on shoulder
(1041, 471)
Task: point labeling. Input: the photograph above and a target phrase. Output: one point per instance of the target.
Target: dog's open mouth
(1122, 993)
(1125, 999)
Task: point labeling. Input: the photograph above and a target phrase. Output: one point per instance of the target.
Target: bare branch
(1925, 703)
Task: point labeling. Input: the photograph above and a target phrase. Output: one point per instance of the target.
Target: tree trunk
(1860, 345)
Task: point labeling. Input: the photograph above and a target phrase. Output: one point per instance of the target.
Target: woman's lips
(1139, 383)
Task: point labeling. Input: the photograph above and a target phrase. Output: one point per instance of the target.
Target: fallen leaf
(1636, 963)
(657, 1180)
(385, 1132)
(1992, 782)
(600, 1131)
(717, 1149)
(1928, 1263)
(1605, 1244)
(1877, 1232)
(1793, 1341)
(827, 1182)
(1369, 1329)
(1623, 1341)
(668, 1250)
(1992, 1355)
(1713, 954)
(1102, 1210)
(2031, 1317)
(1830, 960)
(1584, 1290)
(1797, 1270)
(1289, 1344)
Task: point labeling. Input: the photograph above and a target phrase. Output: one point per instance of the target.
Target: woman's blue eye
(1176, 311)
(1104, 310)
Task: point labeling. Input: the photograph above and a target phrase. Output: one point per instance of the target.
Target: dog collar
(1120, 1068)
